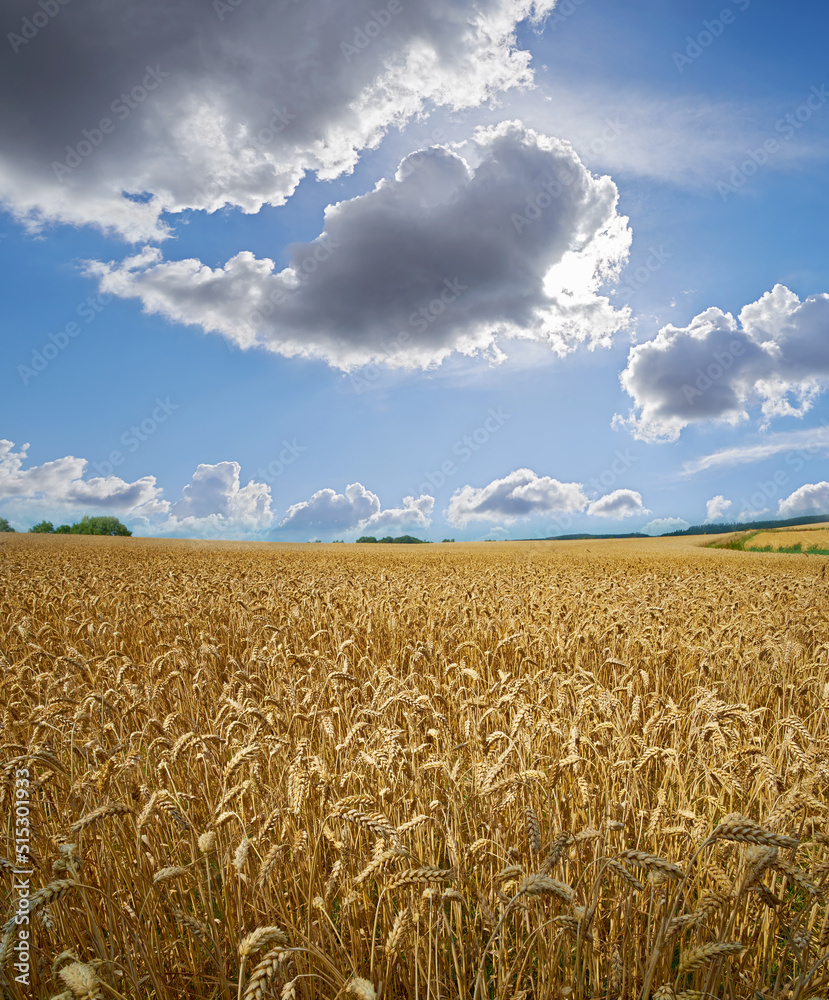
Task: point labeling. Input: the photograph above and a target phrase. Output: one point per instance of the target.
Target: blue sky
(289, 293)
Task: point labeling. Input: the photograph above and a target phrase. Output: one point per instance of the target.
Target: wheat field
(520, 771)
(817, 537)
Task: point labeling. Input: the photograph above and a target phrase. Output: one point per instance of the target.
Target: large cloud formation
(508, 235)
(714, 369)
(357, 508)
(123, 111)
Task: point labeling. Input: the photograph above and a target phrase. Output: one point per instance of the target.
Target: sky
(314, 270)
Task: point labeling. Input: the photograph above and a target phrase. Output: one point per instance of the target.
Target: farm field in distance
(813, 537)
(526, 771)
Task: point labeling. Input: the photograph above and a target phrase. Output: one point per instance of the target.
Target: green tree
(4, 525)
(42, 528)
(99, 526)
(367, 538)
(63, 529)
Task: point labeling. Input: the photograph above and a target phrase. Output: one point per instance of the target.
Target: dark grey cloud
(508, 235)
(776, 356)
(117, 110)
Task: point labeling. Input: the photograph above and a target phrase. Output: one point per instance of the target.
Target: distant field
(816, 536)
(508, 771)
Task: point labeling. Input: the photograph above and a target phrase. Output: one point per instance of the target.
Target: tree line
(103, 525)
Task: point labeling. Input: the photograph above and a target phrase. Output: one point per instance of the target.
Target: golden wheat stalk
(740, 828)
(697, 957)
(652, 863)
(263, 973)
(113, 809)
(543, 885)
(419, 876)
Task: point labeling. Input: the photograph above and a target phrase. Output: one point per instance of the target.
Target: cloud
(618, 504)
(753, 515)
(412, 516)
(60, 484)
(805, 444)
(212, 504)
(682, 139)
(664, 525)
(463, 248)
(199, 105)
(520, 494)
(715, 508)
(813, 498)
(333, 511)
(215, 491)
(357, 509)
(716, 368)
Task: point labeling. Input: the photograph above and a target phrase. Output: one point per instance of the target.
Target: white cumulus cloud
(216, 491)
(618, 504)
(358, 509)
(520, 494)
(716, 508)
(716, 368)
(415, 514)
(61, 484)
(505, 236)
(813, 498)
(213, 503)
